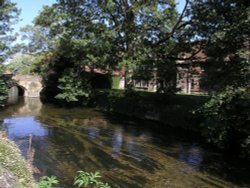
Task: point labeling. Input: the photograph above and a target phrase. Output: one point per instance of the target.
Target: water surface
(128, 153)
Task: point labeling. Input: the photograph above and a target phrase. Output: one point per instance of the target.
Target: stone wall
(32, 85)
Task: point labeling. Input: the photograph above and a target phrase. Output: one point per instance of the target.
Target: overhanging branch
(176, 26)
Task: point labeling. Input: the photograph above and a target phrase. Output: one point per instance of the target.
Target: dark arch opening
(101, 81)
(48, 93)
(21, 91)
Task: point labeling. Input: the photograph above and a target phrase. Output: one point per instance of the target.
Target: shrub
(227, 119)
(3, 88)
(72, 88)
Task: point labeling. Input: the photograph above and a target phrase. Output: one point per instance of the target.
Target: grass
(12, 161)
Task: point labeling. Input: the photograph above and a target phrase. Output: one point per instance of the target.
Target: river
(128, 153)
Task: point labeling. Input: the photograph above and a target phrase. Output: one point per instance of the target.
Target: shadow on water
(127, 152)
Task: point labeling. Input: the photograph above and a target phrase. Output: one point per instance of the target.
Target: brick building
(188, 75)
(189, 71)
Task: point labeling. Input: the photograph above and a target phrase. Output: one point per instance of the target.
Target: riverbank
(14, 170)
(167, 109)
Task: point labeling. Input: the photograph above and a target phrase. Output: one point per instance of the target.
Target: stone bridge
(28, 85)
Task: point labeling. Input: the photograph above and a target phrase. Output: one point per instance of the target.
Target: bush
(227, 119)
(165, 108)
(72, 88)
(3, 88)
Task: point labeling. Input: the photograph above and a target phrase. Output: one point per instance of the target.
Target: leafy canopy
(110, 35)
(224, 25)
(8, 14)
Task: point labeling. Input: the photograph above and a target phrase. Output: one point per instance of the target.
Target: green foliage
(111, 35)
(3, 93)
(152, 105)
(3, 88)
(41, 35)
(8, 15)
(39, 40)
(222, 28)
(86, 179)
(83, 179)
(22, 64)
(48, 182)
(52, 26)
(72, 87)
(227, 119)
(220, 74)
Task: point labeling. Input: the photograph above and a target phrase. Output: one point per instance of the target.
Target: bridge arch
(20, 90)
(28, 85)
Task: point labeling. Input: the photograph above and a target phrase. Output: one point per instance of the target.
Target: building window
(141, 83)
(194, 83)
(144, 83)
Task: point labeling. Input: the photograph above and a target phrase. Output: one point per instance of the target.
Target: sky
(31, 8)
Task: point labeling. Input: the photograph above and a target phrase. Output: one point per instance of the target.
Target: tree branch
(176, 26)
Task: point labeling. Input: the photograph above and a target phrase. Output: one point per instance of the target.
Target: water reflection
(13, 95)
(60, 142)
(135, 150)
(25, 106)
(93, 132)
(192, 155)
(22, 127)
(117, 141)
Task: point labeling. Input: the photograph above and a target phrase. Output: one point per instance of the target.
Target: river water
(128, 153)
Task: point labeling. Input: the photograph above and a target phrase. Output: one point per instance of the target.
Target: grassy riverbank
(14, 170)
(173, 110)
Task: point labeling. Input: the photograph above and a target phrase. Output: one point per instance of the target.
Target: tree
(3, 88)
(8, 14)
(38, 37)
(113, 34)
(24, 64)
(224, 26)
(124, 33)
